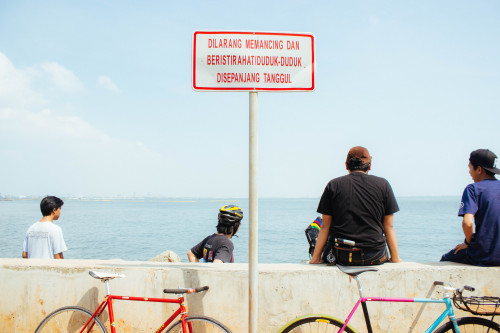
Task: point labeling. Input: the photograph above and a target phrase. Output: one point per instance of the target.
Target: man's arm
(468, 228)
(58, 244)
(321, 241)
(25, 255)
(390, 235)
(192, 257)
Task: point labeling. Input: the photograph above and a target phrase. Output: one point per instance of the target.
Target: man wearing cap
(480, 206)
(357, 207)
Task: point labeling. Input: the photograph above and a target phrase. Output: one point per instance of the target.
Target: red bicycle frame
(108, 302)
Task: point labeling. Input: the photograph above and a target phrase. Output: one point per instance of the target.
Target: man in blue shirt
(480, 206)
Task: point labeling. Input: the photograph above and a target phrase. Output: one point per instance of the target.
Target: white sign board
(253, 61)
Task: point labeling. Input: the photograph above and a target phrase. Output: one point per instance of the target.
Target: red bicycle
(77, 319)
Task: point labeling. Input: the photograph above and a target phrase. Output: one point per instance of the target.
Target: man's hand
(315, 261)
(460, 247)
(395, 260)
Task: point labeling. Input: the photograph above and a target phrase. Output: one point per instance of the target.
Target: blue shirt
(482, 199)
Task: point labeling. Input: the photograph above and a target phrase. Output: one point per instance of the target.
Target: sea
(138, 229)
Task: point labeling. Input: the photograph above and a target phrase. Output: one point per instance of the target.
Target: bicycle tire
(470, 324)
(70, 319)
(200, 324)
(315, 323)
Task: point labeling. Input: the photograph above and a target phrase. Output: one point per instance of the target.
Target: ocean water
(139, 229)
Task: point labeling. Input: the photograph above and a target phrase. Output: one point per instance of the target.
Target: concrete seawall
(31, 289)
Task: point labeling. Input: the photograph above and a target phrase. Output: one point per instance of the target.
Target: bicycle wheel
(70, 319)
(470, 324)
(199, 324)
(315, 323)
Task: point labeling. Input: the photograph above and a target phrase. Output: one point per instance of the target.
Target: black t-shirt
(358, 203)
(214, 247)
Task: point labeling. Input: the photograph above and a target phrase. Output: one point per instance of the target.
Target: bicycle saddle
(105, 276)
(356, 270)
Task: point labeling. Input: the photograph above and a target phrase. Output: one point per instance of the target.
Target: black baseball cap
(486, 159)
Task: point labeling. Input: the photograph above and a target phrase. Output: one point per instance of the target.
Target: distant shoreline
(193, 199)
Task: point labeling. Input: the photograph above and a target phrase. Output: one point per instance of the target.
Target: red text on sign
(234, 60)
(277, 78)
(238, 77)
(292, 45)
(224, 43)
(267, 44)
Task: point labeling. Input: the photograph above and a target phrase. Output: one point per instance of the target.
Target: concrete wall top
(118, 263)
(30, 289)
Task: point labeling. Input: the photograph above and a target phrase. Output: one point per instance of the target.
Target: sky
(96, 98)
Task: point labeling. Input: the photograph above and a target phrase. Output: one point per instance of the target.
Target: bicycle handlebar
(469, 288)
(185, 290)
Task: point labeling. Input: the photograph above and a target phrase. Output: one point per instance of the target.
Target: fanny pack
(341, 249)
(347, 253)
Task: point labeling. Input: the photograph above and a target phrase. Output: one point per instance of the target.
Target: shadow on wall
(90, 300)
(191, 280)
(195, 301)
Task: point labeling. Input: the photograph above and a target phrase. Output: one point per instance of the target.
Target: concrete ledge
(30, 289)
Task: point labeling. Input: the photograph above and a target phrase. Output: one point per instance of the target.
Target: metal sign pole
(253, 277)
(217, 68)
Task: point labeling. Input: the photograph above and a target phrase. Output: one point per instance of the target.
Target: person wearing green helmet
(218, 248)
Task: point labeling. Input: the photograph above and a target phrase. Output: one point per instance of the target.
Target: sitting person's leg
(460, 257)
(375, 257)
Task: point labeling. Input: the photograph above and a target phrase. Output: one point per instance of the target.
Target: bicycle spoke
(70, 320)
(315, 324)
(200, 325)
(316, 328)
(471, 325)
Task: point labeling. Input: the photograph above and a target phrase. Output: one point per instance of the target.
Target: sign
(253, 61)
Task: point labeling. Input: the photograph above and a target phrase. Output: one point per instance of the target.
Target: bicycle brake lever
(469, 288)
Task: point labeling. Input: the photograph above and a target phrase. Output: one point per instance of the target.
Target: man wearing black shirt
(218, 248)
(358, 207)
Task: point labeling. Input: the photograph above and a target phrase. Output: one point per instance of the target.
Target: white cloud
(45, 147)
(108, 84)
(62, 78)
(34, 86)
(47, 124)
(15, 86)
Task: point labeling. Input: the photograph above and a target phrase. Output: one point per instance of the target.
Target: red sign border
(252, 33)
